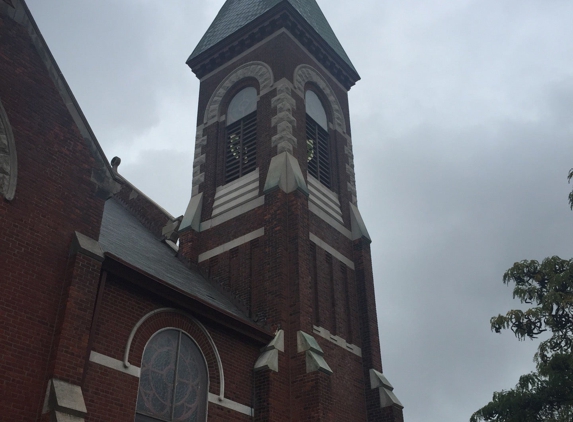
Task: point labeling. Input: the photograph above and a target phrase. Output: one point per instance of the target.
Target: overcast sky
(462, 129)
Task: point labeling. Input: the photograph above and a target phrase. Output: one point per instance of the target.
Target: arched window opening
(241, 138)
(318, 147)
(173, 384)
(8, 162)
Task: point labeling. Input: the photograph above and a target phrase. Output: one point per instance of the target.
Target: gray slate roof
(125, 237)
(235, 14)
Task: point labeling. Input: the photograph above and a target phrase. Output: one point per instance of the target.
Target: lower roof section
(136, 254)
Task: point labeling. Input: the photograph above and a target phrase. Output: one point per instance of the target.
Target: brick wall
(112, 395)
(54, 198)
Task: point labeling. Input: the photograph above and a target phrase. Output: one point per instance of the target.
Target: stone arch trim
(166, 318)
(258, 70)
(304, 74)
(8, 161)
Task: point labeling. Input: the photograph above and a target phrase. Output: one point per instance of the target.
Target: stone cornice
(267, 24)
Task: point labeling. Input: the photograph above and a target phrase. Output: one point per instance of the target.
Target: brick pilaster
(77, 307)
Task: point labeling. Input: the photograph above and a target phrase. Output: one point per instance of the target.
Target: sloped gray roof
(125, 237)
(235, 14)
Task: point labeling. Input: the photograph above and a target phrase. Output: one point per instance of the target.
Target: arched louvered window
(173, 384)
(241, 135)
(8, 162)
(317, 139)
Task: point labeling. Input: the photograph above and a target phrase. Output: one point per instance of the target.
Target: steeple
(243, 17)
(274, 219)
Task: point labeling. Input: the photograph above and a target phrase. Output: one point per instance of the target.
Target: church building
(256, 304)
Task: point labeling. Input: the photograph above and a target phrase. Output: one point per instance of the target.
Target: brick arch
(8, 162)
(304, 74)
(165, 318)
(258, 70)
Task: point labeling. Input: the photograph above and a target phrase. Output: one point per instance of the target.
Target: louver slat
(319, 163)
(241, 148)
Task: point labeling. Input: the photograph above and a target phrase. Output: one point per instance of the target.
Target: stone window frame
(230, 94)
(218, 102)
(8, 159)
(256, 70)
(304, 74)
(206, 383)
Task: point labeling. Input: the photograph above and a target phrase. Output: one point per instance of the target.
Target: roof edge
(148, 212)
(193, 304)
(102, 175)
(243, 34)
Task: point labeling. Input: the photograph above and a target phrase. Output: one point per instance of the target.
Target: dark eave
(183, 300)
(283, 15)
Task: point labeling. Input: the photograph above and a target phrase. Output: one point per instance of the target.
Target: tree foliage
(547, 394)
(569, 177)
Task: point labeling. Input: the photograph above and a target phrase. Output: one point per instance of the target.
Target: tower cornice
(282, 16)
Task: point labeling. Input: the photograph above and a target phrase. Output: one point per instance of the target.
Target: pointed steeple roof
(235, 14)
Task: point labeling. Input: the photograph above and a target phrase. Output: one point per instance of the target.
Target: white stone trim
(322, 244)
(324, 199)
(135, 371)
(235, 212)
(307, 344)
(236, 184)
(114, 364)
(232, 244)
(269, 358)
(328, 219)
(339, 341)
(232, 405)
(284, 119)
(258, 70)
(65, 402)
(136, 327)
(259, 44)
(305, 73)
(236, 193)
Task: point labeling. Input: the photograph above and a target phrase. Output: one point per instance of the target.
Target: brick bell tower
(273, 217)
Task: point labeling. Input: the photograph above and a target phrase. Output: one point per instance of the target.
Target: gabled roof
(102, 172)
(235, 14)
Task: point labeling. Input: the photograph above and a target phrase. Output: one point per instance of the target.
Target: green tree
(570, 193)
(546, 394)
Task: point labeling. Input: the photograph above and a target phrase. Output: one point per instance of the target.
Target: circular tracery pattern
(173, 381)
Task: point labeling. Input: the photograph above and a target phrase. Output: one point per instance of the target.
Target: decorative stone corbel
(65, 401)
(285, 174)
(357, 224)
(387, 397)
(192, 217)
(314, 353)
(86, 246)
(269, 358)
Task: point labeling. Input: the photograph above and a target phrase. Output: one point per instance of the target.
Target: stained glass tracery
(173, 380)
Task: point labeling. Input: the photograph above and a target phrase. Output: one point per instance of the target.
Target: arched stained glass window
(173, 383)
(318, 146)
(241, 135)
